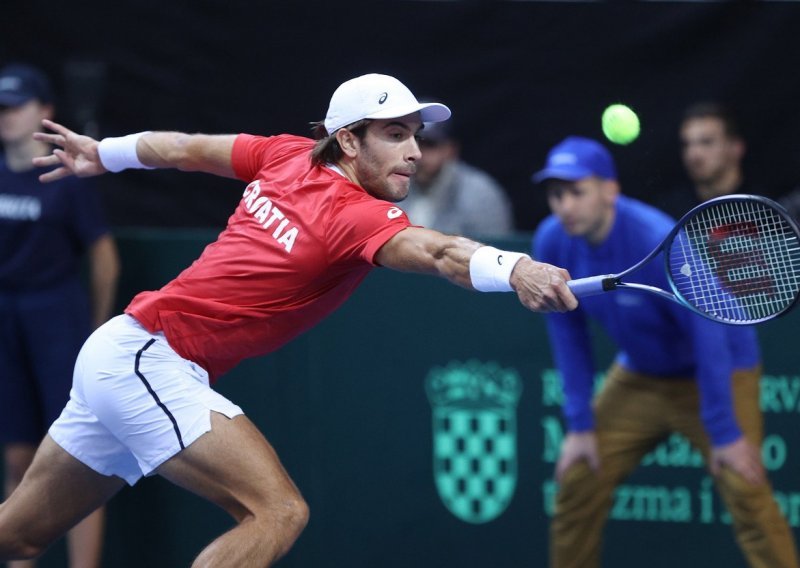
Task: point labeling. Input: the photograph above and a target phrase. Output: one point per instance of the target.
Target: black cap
(20, 83)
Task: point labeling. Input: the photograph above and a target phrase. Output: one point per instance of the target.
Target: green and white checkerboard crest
(474, 408)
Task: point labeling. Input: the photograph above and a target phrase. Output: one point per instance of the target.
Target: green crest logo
(474, 437)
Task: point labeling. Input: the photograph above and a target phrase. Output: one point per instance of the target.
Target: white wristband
(117, 154)
(490, 269)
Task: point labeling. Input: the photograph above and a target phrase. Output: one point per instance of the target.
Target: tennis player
(675, 370)
(314, 219)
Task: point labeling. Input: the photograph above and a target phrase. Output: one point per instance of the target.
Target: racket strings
(738, 260)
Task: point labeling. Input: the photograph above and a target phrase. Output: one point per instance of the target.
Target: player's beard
(380, 180)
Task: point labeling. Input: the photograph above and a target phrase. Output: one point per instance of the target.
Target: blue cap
(576, 158)
(20, 83)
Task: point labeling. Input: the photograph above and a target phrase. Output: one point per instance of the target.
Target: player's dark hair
(717, 111)
(327, 149)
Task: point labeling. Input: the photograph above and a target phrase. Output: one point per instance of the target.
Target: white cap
(377, 96)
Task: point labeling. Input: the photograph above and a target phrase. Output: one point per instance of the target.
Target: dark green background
(346, 409)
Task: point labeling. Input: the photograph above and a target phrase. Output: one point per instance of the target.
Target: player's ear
(348, 142)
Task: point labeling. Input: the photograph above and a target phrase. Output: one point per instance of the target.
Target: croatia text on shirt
(266, 213)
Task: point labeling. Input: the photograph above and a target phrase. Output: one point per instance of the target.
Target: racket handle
(592, 285)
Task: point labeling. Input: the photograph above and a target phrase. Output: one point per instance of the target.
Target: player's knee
(15, 543)
(26, 551)
(292, 514)
(16, 547)
(282, 521)
(295, 515)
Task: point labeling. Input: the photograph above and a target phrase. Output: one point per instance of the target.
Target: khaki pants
(633, 413)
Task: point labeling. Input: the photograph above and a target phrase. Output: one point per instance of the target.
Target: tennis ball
(620, 124)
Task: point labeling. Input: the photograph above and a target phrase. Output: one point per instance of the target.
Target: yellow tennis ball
(620, 124)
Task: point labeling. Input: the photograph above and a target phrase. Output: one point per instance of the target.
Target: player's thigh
(235, 467)
(56, 492)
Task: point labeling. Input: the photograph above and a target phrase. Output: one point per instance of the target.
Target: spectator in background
(451, 196)
(45, 314)
(675, 371)
(712, 149)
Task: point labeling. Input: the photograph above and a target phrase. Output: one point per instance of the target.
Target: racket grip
(592, 285)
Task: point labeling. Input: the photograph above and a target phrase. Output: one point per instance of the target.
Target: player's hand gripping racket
(733, 259)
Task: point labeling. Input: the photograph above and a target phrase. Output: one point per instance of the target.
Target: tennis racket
(734, 259)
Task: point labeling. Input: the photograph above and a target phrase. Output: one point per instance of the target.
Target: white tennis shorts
(134, 402)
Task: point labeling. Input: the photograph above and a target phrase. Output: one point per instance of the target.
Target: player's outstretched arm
(83, 156)
(540, 287)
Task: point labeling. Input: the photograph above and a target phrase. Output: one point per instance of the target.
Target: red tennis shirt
(298, 244)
